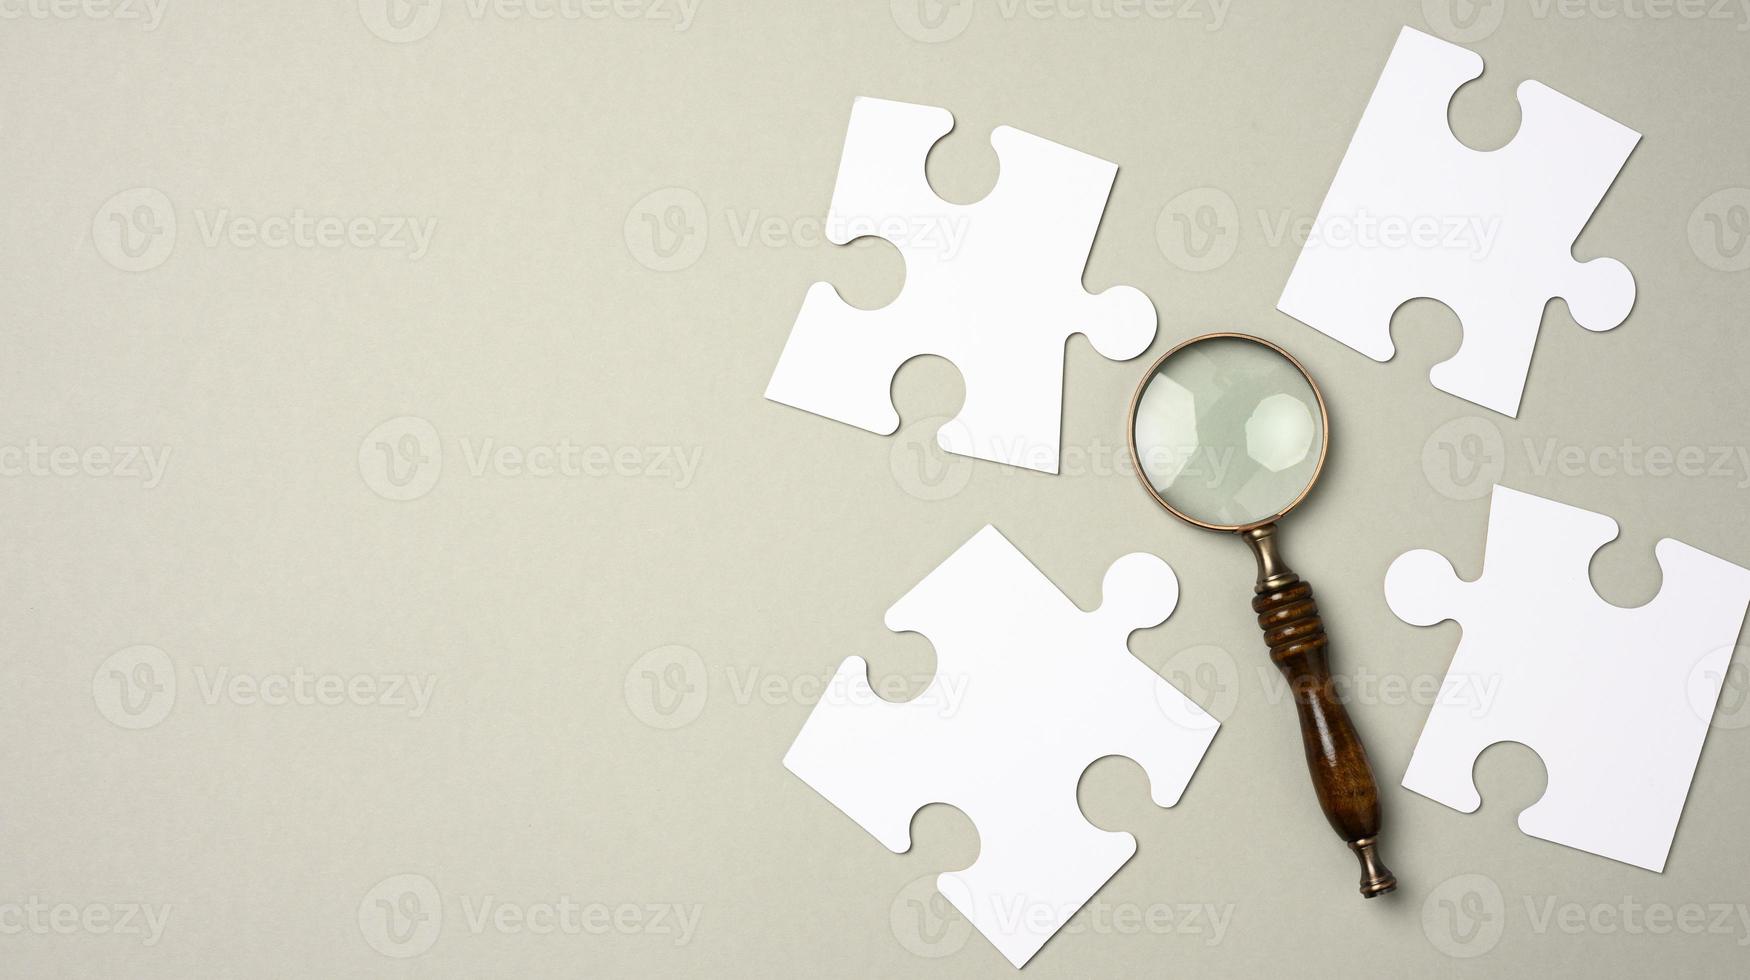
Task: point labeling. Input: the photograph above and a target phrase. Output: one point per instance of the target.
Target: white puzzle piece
(1615, 701)
(1415, 213)
(995, 287)
(1029, 691)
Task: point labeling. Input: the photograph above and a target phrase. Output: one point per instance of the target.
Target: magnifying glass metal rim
(1324, 431)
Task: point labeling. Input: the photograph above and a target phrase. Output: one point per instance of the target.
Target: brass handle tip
(1376, 878)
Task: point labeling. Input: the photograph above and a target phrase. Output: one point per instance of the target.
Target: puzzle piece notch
(994, 287)
(1029, 691)
(1488, 233)
(1615, 701)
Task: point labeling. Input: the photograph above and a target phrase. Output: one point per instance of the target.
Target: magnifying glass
(1229, 432)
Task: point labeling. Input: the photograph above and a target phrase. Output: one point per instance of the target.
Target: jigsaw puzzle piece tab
(1029, 691)
(1609, 698)
(1599, 292)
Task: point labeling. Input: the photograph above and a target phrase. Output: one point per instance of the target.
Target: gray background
(618, 656)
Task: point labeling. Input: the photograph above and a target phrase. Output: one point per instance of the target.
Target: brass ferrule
(1273, 571)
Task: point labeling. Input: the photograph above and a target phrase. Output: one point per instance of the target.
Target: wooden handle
(1335, 757)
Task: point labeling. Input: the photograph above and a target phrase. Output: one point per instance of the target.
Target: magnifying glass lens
(1229, 432)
